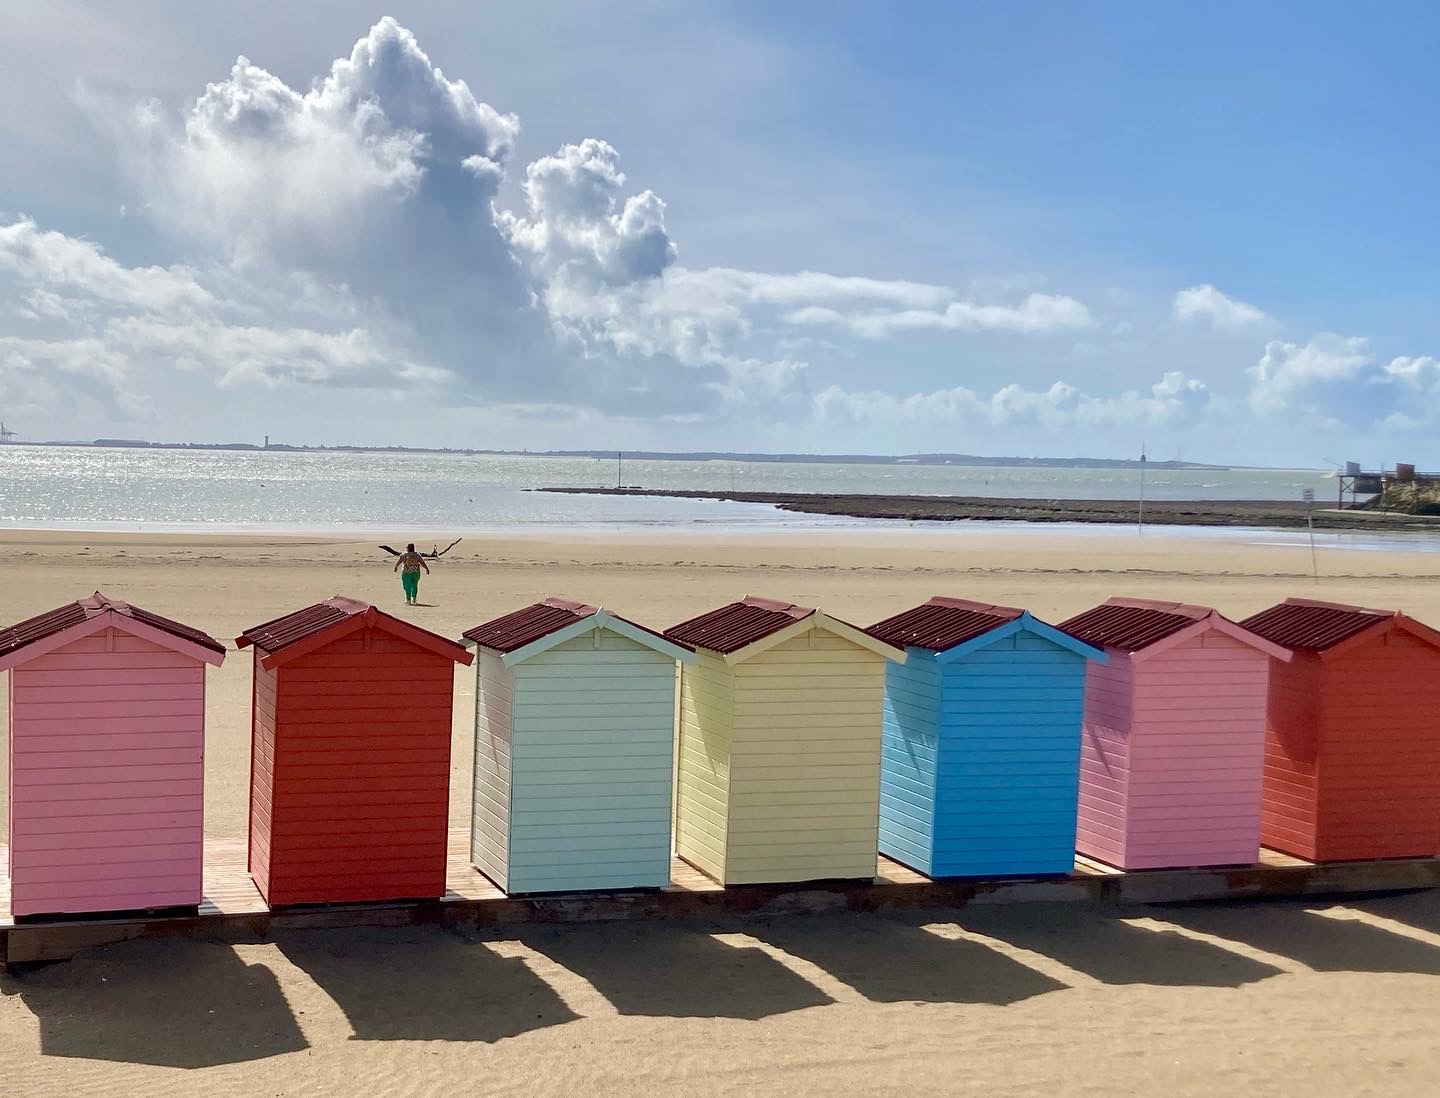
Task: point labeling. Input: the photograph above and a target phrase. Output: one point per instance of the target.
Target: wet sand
(1270, 514)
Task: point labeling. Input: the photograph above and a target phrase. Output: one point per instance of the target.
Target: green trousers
(411, 580)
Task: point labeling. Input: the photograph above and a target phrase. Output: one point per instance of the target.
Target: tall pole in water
(1140, 529)
(617, 468)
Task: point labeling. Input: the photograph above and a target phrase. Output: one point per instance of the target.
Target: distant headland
(975, 460)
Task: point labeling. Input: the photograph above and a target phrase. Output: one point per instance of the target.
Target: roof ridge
(994, 609)
(776, 606)
(1347, 608)
(1191, 610)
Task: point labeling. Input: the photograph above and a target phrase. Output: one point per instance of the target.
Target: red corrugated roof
(942, 623)
(1314, 626)
(737, 625)
(82, 610)
(275, 635)
(1132, 624)
(515, 630)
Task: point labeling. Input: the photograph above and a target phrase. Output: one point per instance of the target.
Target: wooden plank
(232, 909)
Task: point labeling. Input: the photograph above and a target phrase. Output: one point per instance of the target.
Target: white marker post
(1309, 497)
(1140, 526)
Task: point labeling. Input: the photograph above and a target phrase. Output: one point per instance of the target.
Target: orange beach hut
(1174, 736)
(107, 758)
(350, 758)
(1352, 746)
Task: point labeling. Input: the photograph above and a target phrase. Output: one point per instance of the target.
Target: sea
(229, 491)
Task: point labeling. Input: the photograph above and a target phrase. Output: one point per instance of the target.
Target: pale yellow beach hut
(779, 744)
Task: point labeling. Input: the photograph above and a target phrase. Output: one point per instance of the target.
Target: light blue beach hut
(981, 751)
(574, 750)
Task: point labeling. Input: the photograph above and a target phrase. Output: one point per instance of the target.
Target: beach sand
(1266, 999)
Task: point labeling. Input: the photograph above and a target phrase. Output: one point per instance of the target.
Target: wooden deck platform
(233, 910)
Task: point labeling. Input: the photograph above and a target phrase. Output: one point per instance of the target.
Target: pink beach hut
(1173, 753)
(107, 758)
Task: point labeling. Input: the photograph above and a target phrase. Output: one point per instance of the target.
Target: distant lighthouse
(267, 442)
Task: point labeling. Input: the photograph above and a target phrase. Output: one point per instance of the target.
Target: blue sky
(1005, 229)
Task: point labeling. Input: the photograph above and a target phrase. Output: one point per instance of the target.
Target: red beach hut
(107, 758)
(350, 759)
(1352, 744)
(1174, 737)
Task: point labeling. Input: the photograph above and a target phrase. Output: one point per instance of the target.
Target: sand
(1269, 999)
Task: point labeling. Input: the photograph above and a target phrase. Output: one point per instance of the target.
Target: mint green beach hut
(574, 750)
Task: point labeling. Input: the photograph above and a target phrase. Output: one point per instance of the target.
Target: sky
(1019, 229)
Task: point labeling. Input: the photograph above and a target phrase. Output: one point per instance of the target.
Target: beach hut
(981, 754)
(1174, 741)
(779, 746)
(350, 756)
(1352, 745)
(574, 750)
(107, 758)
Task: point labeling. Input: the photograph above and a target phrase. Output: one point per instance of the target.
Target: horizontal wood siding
(107, 742)
(1105, 744)
(702, 802)
(1292, 756)
(1006, 789)
(490, 812)
(805, 763)
(909, 747)
(1198, 756)
(594, 752)
(362, 773)
(1379, 789)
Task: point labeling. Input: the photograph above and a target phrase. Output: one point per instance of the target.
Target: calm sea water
(222, 490)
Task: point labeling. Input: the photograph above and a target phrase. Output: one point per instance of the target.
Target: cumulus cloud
(1336, 381)
(1175, 401)
(579, 224)
(1293, 377)
(258, 164)
(350, 233)
(1207, 304)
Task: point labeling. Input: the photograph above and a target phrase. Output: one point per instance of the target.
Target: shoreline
(1258, 514)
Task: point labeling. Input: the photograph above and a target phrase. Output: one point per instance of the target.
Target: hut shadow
(891, 959)
(423, 984)
(674, 970)
(1286, 929)
(1100, 945)
(1420, 910)
(173, 1002)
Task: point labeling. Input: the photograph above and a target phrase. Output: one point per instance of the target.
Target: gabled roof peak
(737, 625)
(71, 614)
(942, 623)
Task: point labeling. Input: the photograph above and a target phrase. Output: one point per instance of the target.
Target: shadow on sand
(1100, 945)
(424, 984)
(674, 970)
(1286, 929)
(891, 959)
(173, 1003)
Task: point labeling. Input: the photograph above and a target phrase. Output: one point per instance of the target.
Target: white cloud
(51, 262)
(1335, 382)
(347, 233)
(1290, 377)
(1176, 401)
(1206, 303)
(260, 165)
(1037, 313)
(1421, 374)
(578, 221)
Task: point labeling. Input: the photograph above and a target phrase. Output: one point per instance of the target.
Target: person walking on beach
(408, 564)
